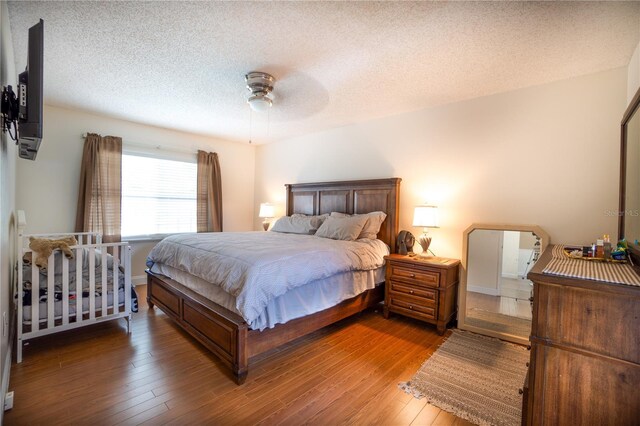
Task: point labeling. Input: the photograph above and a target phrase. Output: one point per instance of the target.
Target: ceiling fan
(260, 84)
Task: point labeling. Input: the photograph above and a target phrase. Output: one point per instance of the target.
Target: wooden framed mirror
(494, 293)
(629, 208)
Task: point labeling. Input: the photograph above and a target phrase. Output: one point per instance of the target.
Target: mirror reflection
(497, 290)
(632, 180)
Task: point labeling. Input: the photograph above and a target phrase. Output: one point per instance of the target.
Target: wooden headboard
(352, 197)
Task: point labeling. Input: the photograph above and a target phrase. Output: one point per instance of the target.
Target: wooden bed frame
(225, 333)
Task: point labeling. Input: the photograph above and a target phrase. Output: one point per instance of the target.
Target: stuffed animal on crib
(42, 248)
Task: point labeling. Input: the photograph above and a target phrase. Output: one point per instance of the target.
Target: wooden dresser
(422, 288)
(585, 351)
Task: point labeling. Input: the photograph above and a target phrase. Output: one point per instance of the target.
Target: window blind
(158, 196)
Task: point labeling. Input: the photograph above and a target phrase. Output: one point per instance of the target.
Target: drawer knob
(413, 275)
(410, 291)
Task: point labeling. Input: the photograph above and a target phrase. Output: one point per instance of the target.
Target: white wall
(483, 269)
(524, 255)
(7, 205)
(510, 253)
(48, 188)
(545, 155)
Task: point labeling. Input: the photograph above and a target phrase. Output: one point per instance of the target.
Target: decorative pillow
(298, 224)
(372, 227)
(342, 228)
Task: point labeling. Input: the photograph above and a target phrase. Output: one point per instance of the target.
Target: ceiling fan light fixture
(260, 84)
(259, 103)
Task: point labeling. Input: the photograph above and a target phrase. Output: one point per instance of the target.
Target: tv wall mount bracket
(10, 110)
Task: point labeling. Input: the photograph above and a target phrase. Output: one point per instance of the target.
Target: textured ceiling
(181, 65)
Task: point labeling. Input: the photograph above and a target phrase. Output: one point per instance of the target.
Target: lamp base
(425, 241)
(265, 225)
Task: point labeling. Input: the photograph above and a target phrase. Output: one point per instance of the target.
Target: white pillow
(372, 227)
(342, 228)
(298, 224)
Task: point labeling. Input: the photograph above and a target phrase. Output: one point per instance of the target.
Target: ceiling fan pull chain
(250, 124)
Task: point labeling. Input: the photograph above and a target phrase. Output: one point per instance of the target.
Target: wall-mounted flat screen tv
(30, 96)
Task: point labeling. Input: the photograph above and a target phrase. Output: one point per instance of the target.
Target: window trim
(151, 237)
(159, 153)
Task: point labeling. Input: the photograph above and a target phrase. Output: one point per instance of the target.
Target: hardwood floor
(515, 288)
(520, 308)
(346, 373)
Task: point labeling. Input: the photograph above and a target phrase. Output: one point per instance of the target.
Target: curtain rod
(158, 147)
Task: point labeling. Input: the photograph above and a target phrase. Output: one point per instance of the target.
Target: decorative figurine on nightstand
(405, 243)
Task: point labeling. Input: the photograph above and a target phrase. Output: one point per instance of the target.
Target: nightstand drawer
(416, 306)
(424, 293)
(415, 276)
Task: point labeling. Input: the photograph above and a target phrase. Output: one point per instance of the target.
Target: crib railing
(75, 309)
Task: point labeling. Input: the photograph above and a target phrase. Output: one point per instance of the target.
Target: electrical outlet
(8, 401)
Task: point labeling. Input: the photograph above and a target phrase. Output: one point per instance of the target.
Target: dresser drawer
(414, 276)
(413, 305)
(406, 289)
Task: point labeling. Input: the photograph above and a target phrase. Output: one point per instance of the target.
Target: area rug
(499, 322)
(474, 377)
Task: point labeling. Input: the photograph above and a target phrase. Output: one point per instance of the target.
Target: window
(158, 196)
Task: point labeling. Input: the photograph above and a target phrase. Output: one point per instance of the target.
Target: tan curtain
(100, 192)
(209, 193)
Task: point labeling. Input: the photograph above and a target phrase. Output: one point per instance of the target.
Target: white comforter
(257, 267)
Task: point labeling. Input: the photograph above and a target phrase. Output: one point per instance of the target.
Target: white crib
(58, 315)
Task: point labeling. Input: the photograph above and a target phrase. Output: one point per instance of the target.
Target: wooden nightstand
(422, 288)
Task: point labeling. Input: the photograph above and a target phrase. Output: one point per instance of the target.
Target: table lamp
(267, 211)
(427, 217)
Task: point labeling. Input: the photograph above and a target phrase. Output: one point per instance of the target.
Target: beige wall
(545, 155)
(633, 74)
(527, 240)
(47, 189)
(7, 205)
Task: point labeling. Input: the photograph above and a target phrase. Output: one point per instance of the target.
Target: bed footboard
(221, 331)
(227, 335)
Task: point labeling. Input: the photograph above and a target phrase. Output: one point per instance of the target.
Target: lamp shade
(267, 210)
(425, 216)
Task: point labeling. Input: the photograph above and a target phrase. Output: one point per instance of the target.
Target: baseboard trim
(483, 290)
(512, 276)
(6, 374)
(139, 279)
